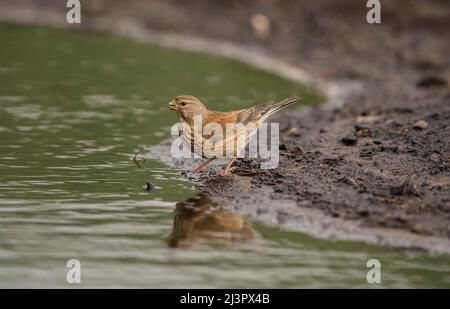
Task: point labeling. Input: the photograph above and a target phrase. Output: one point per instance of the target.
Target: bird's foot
(227, 168)
(225, 172)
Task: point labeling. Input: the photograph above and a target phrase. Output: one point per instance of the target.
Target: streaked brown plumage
(199, 219)
(187, 107)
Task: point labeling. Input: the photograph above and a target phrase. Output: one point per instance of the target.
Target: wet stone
(149, 186)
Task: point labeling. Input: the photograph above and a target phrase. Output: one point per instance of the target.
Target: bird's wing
(262, 111)
(250, 118)
(222, 117)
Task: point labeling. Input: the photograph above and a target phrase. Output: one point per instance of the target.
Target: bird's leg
(226, 170)
(201, 166)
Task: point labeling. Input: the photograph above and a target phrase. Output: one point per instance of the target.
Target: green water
(74, 108)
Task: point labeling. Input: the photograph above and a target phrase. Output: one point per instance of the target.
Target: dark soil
(394, 176)
(369, 161)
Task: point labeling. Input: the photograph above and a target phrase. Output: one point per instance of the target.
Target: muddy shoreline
(374, 167)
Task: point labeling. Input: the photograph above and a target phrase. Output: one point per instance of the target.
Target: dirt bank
(364, 170)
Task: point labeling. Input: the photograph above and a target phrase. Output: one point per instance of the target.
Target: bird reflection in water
(198, 219)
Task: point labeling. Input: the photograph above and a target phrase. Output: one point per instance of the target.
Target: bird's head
(187, 107)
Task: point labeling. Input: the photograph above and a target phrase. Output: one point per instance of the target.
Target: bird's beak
(171, 105)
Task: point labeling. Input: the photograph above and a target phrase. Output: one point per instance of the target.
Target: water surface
(74, 107)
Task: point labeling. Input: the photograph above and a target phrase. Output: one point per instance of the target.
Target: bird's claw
(225, 172)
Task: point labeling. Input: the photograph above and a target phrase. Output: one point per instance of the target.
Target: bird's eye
(183, 103)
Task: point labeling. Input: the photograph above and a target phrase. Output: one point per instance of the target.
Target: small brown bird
(188, 107)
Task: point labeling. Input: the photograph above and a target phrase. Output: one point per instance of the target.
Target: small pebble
(393, 123)
(349, 140)
(294, 132)
(390, 148)
(420, 125)
(432, 81)
(363, 130)
(435, 158)
(367, 119)
(298, 150)
(149, 186)
(360, 127)
(261, 25)
(366, 153)
(282, 147)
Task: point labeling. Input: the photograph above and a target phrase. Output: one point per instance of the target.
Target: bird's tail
(262, 111)
(272, 108)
